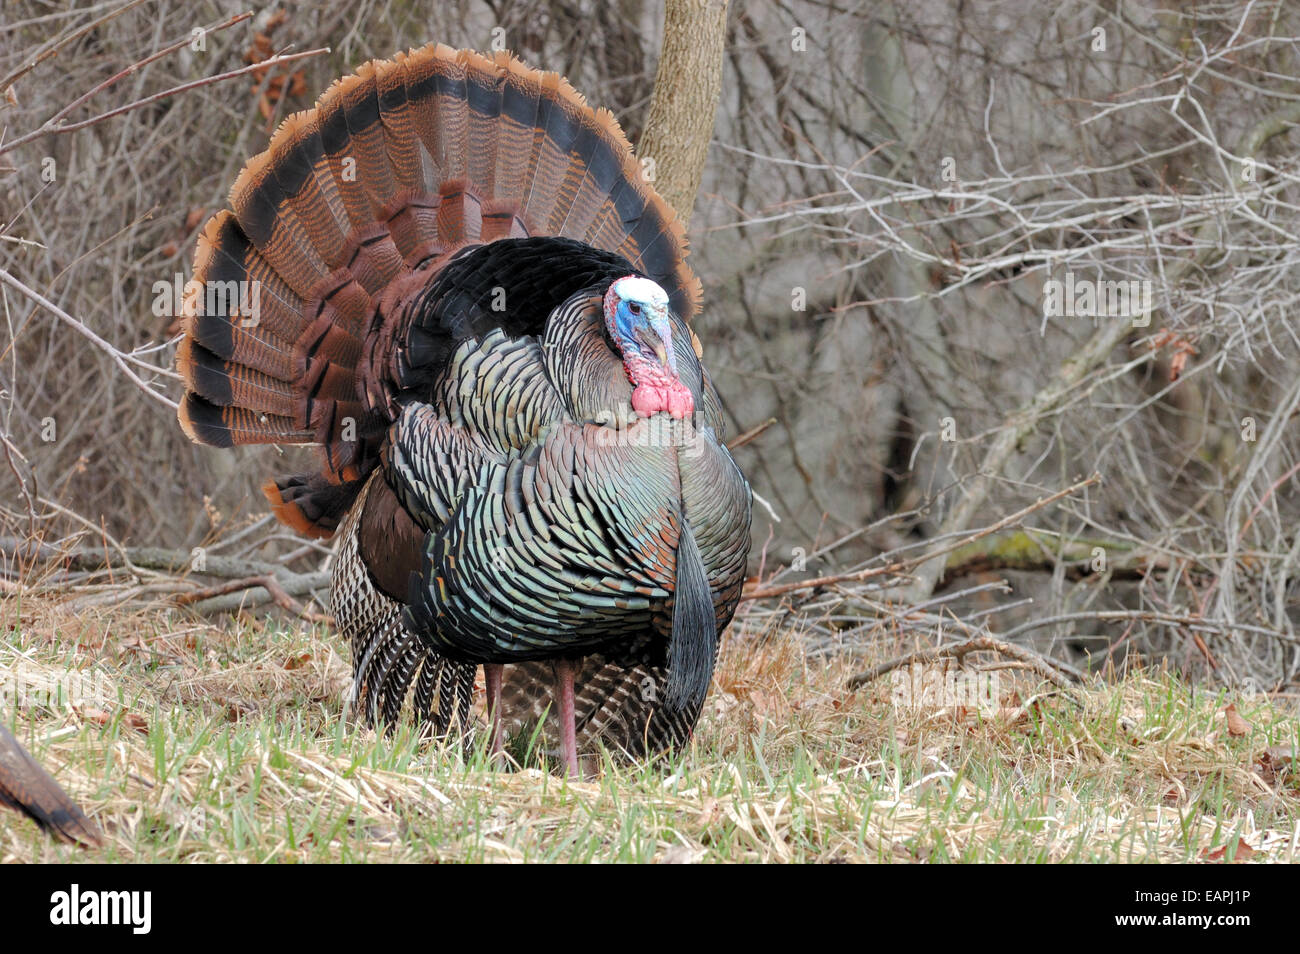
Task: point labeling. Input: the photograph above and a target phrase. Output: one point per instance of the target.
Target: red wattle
(675, 398)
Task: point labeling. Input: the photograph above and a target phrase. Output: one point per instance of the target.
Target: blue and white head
(636, 313)
(637, 317)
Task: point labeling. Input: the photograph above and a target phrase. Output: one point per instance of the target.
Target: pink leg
(492, 677)
(564, 672)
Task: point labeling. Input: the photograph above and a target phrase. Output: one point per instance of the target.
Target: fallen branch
(254, 590)
(161, 559)
(1035, 550)
(1190, 622)
(1057, 673)
(247, 584)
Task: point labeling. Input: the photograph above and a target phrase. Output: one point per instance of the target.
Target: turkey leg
(492, 673)
(564, 673)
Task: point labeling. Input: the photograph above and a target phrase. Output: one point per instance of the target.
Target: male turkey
(27, 787)
(464, 291)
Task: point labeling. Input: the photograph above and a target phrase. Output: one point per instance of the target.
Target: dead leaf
(297, 662)
(1182, 348)
(1236, 724)
(708, 811)
(97, 716)
(1010, 716)
(194, 218)
(1276, 762)
(768, 703)
(131, 720)
(1244, 852)
(136, 721)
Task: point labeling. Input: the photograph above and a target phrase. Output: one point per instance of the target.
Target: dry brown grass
(227, 743)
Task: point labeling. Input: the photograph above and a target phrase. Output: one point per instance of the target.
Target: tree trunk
(685, 99)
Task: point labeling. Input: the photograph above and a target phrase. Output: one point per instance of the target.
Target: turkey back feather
(354, 207)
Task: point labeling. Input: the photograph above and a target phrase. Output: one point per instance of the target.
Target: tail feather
(251, 389)
(218, 426)
(396, 169)
(371, 257)
(413, 223)
(436, 86)
(501, 219)
(400, 137)
(273, 226)
(460, 214)
(484, 86)
(26, 786)
(558, 126)
(226, 255)
(367, 145)
(693, 646)
(308, 186)
(517, 135)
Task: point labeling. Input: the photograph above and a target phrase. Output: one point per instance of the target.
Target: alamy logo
(657, 431)
(23, 685)
(76, 907)
(940, 687)
(242, 299)
(1088, 298)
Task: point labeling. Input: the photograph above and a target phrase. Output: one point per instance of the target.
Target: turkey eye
(634, 308)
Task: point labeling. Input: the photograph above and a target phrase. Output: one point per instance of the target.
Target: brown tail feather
(395, 168)
(400, 136)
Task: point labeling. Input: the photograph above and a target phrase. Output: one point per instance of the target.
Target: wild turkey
(26, 786)
(470, 298)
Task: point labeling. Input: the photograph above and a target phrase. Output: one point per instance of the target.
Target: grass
(227, 743)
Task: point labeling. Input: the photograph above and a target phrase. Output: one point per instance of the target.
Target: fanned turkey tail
(295, 332)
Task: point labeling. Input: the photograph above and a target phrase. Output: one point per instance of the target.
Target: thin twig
(183, 88)
(765, 593)
(742, 439)
(61, 42)
(120, 358)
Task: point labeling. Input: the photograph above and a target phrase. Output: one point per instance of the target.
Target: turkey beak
(657, 337)
(664, 344)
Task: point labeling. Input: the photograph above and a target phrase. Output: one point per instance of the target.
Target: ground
(226, 741)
